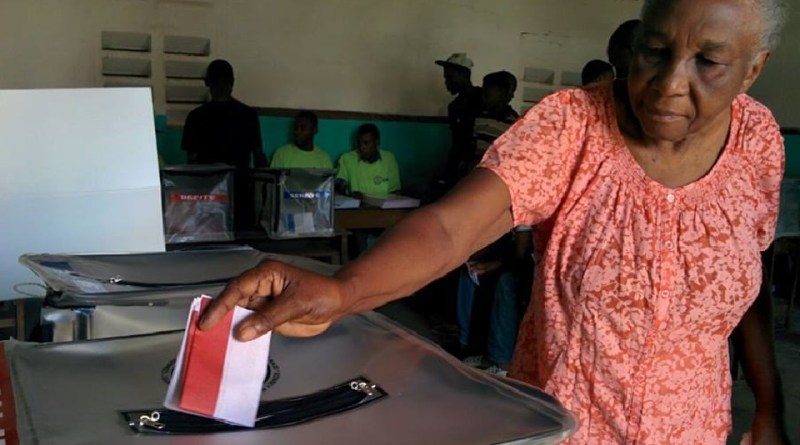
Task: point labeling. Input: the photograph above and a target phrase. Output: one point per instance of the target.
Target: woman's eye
(654, 54)
(705, 61)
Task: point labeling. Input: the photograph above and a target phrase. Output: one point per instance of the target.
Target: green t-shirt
(379, 178)
(291, 156)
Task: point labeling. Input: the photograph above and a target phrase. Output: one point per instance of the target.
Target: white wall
(778, 87)
(359, 55)
(84, 184)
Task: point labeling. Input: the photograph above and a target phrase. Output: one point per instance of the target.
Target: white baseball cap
(457, 59)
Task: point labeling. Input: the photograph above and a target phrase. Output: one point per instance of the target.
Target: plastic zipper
(271, 414)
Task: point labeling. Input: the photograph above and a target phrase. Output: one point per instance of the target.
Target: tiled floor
(787, 348)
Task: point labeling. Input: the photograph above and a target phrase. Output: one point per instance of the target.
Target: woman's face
(693, 58)
(367, 146)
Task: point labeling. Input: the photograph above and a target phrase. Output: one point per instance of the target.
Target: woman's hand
(286, 299)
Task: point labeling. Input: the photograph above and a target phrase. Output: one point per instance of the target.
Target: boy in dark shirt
(490, 322)
(496, 115)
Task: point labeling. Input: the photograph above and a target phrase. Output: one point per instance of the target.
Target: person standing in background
(226, 131)
(461, 114)
(621, 47)
(496, 115)
(596, 71)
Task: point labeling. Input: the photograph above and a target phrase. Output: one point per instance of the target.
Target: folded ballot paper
(216, 375)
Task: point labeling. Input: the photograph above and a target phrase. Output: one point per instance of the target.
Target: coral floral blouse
(637, 285)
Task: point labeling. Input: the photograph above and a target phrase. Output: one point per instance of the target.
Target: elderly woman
(652, 202)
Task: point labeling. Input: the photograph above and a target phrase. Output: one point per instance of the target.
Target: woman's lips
(663, 115)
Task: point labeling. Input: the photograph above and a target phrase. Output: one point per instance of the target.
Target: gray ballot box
(198, 202)
(84, 393)
(295, 203)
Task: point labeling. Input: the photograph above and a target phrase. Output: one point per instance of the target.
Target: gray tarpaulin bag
(74, 393)
(76, 280)
(108, 295)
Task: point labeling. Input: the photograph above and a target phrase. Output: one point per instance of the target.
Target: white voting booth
(78, 173)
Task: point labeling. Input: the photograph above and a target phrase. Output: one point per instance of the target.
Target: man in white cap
(461, 113)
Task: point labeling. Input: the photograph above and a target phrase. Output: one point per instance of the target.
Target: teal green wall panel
(420, 148)
(792, 142)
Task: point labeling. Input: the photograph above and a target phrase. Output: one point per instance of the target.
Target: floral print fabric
(637, 286)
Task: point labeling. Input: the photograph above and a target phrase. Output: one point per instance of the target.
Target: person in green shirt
(302, 153)
(368, 170)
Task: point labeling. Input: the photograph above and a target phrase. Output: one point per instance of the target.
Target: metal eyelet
(151, 421)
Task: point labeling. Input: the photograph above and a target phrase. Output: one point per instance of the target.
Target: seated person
(302, 153)
(368, 170)
(596, 71)
(496, 115)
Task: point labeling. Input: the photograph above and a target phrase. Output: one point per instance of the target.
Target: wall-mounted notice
(78, 173)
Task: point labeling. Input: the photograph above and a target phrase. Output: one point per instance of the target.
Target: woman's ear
(755, 70)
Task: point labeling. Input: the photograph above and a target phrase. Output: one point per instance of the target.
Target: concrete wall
(355, 55)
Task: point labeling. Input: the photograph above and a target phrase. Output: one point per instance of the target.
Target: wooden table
(334, 250)
(367, 217)
(331, 249)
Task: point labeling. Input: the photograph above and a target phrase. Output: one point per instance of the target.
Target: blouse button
(670, 198)
(669, 245)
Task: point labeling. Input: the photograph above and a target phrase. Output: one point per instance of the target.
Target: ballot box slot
(343, 397)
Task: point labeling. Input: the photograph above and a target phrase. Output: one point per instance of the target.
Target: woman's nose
(673, 79)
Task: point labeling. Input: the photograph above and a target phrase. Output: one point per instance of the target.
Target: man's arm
(190, 139)
(394, 176)
(342, 177)
(259, 158)
(754, 339)
(422, 247)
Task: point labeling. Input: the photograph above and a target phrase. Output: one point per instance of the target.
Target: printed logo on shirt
(378, 180)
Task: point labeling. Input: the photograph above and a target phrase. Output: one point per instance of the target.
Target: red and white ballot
(216, 375)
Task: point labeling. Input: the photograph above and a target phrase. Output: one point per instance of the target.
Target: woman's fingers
(285, 299)
(248, 290)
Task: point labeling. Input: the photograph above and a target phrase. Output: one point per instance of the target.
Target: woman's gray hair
(773, 17)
